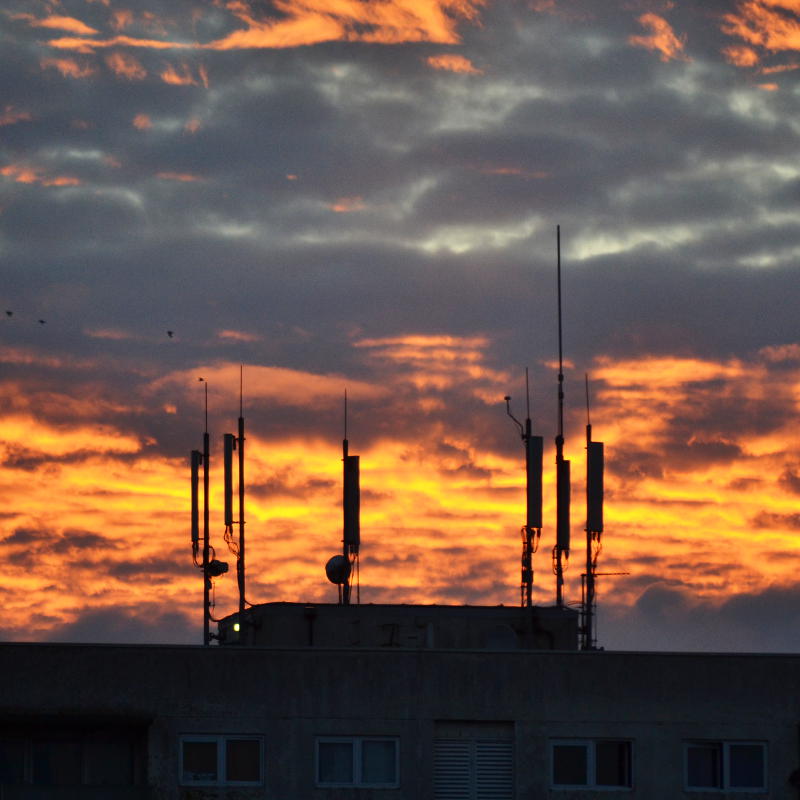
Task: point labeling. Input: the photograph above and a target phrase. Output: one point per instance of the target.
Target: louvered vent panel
(494, 770)
(452, 779)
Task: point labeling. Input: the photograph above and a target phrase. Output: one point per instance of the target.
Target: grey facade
(426, 704)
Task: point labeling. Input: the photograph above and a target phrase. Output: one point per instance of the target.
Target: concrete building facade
(394, 719)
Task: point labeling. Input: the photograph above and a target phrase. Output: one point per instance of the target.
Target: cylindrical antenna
(196, 460)
(228, 446)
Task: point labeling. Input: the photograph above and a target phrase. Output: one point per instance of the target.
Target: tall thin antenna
(206, 543)
(560, 341)
(588, 417)
(240, 562)
(561, 549)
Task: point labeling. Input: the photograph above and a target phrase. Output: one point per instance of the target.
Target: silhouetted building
(417, 702)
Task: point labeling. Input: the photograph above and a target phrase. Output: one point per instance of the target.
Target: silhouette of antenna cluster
(207, 562)
(532, 530)
(341, 569)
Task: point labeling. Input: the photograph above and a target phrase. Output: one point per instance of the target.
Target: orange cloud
(779, 68)
(308, 22)
(121, 19)
(91, 45)
(25, 174)
(142, 122)
(769, 87)
(10, 116)
(126, 66)
(193, 125)
(183, 177)
(64, 24)
(114, 334)
(519, 172)
(183, 76)
(661, 38)
(686, 486)
(346, 205)
(764, 24)
(452, 62)
(741, 56)
(68, 67)
(239, 336)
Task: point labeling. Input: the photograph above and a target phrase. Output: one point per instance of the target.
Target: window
(591, 764)
(221, 760)
(726, 766)
(55, 756)
(369, 761)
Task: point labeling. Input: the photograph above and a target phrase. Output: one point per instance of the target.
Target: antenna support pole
(206, 577)
(240, 562)
(561, 549)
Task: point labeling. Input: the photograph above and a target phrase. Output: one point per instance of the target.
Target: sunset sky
(344, 194)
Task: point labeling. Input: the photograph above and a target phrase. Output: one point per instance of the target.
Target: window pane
(378, 761)
(56, 763)
(569, 765)
(108, 763)
(703, 766)
(335, 762)
(613, 763)
(12, 762)
(243, 760)
(746, 766)
(199, 762)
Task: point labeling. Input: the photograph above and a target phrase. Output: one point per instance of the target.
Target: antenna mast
(210, 566)
(240, 574)
(561, 549)
(532, 529)
(232, 443)
(351, 512)
(594, 529)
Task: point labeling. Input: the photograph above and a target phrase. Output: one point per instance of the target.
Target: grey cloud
(143, 625)
(669, 618)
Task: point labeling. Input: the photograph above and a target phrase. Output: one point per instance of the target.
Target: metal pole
(206, 581)
(240, 560)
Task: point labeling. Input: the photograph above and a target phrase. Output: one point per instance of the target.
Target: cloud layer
(365, 196)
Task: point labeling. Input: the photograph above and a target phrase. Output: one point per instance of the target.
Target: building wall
(291, 696)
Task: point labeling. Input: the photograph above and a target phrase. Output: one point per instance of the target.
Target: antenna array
(532, 530)
(340, 569)
(211, 567)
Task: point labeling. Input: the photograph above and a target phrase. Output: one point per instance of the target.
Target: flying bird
(9, 313)
(170, 334)
(42, 321)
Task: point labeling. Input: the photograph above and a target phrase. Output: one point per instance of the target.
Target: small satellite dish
(338, 569)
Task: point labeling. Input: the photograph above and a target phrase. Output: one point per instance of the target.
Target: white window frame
(725, 767)
(357, 742)
(591, 765)
(221, 740)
